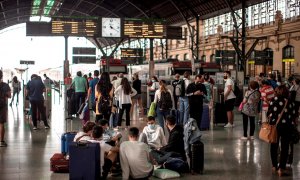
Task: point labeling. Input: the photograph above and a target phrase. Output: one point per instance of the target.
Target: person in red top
(68, 79)
(267, 94)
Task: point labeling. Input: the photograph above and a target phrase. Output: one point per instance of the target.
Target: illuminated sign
(84, 50)
(131, 55)
(84, 59)
(144, 28)
(74, 26)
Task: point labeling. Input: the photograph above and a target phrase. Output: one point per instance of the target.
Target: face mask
(225, 77)
(151, 126)
(153, 80)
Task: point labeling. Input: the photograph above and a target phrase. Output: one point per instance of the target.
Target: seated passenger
(108, 153)
(153, 134)
(109, 135)
(86, 134)
(135, 158)
(175, 142)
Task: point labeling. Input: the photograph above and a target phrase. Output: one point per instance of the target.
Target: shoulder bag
(268, 132)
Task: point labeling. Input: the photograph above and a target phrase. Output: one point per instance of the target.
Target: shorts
(229, 104)
(137, 96)
(3, 115)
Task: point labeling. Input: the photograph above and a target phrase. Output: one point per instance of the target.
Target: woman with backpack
(154, 86)
(249, 108)
(104, 95)
(164, 102)
(124, 93)
(16, 85)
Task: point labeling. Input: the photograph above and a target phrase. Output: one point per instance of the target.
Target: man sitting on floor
(153, 135)
(86, 132)
(108, 154)
(135, 158)
(109, 135)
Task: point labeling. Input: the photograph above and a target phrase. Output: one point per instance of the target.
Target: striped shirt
(267, 94)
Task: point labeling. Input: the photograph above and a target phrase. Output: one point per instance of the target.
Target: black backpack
(104, 104)
(236, 90)
(165, 102)
(180, 88)
(2, 97)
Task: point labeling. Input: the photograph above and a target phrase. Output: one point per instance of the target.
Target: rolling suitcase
(59, 163)
(176, 114)
(66, 138)
(197, 157)
(205, 121)
(220, 114)
(84, 161)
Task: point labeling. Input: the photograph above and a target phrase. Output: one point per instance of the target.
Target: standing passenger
(116, 83)
(16, 89)
(153, 88)
(229, 98)
(174, 84)
(137, 85)
(68, 79)
(35, 90)
(80, 85)
(184, 106)
(91, 91)
(124, 93)
(267, 94)
(5, 93)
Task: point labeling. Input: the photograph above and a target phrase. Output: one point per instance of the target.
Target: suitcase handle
(82, 144)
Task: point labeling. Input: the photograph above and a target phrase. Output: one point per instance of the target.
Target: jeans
(38, 107)
(245, 124)
(15, 93)
(125, 107)
(161, 116)
(79, 99)
(284, 136)
(184, 109)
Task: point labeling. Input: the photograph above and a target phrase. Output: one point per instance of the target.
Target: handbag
(152, 110)
(268, 132)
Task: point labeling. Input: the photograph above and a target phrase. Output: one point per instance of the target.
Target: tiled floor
(226, 156)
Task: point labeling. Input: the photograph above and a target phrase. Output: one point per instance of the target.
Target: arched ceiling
(14, 12)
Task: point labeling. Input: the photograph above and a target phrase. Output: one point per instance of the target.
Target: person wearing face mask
(229, 98)
(153, 88)
(195, 92)
(153, 135)
(109, 135)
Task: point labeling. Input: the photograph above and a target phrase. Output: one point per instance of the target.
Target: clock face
(111, 27)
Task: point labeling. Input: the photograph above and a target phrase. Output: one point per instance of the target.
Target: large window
(212, 58)
(186, 56)
(288, 61)
(203, 58)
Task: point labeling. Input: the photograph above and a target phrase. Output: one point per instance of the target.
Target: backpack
(176, 164)
(180, 88)
(207, 97)
(236, 90)
(2, 97)
(104, 104)
(165, 102)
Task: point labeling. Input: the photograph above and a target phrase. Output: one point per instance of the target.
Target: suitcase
(176, 114)
(59, 163)
(66, 138)
(72, 105)
(220, 114)
(205, 121)
(197, 157)
(84, 161)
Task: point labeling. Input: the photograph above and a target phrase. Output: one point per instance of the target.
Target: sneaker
(3, 144)
(244, 138)
(251, 138)
(47, 127)
(228, 125)
(34, 128)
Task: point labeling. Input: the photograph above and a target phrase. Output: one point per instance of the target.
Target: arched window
(171, 57)
(177, 56)
(212, 58)
(269, 53)
(288, 61)
(203, 58)
(186, 56)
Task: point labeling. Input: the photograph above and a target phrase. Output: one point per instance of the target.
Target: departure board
(74, 27)
(144, 28)
(131, 55)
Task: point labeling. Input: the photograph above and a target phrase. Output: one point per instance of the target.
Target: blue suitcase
(66, 138)
(205, 121)
(84, 161)
(176, 114)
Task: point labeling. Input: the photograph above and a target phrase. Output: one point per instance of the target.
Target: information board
(142, 28)
(74, 26)
(131, 55)
(84, 59)
(84, 50)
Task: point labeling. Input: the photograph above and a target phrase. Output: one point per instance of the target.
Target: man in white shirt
(135, 158)
(229, 98)
(153, 134)
(184, 106)
(116, 83)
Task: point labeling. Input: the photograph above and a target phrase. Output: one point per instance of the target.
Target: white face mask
(151, 126)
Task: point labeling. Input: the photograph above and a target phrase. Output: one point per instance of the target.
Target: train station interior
(251, 39)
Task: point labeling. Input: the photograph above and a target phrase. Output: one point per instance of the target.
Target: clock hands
(111, 27)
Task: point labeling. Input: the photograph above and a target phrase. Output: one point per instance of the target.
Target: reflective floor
(226, 156)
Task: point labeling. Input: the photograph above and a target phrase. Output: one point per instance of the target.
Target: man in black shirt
(174, 84)
(195, 92)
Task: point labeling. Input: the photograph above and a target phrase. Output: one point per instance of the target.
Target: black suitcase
(71, 105)
(84, 161)
(220, 114)
(197, 157)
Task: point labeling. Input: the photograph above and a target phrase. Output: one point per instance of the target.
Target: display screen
(131, 55)
(84, 59)
(142, 28)
(74, 26)
(84, 50)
